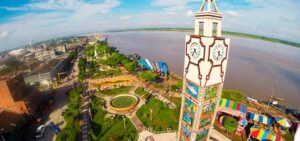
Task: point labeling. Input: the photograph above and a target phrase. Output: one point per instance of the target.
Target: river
(256, 68)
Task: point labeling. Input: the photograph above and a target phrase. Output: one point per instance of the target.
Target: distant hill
(274, 40)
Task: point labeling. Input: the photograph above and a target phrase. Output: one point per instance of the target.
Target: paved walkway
(215, 136)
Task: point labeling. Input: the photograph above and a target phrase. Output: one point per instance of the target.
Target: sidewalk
(215, 136)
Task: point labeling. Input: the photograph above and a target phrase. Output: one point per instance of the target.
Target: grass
(141, 92)
(110, 128)
(123, 101)
(176, 101)
(230, 124)
(162, 116)
(274, 40)
(108, 73)
(121, 90)
(233, 95)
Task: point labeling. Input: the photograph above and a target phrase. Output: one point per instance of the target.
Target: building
(205, 64)
(45, 54)
(16, 100)
(16, 52)
(61, 49)
(46, 73)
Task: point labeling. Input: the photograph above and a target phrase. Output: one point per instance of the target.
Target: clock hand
(194, 52)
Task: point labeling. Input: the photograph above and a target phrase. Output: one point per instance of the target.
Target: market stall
(260, 119)
(282, 125)
(234, 108)
(228, 109)
(259, 134)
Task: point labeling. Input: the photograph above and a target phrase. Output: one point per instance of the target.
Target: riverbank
(237, 34)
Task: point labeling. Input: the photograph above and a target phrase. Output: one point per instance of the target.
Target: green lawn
(233, 95)
(123, 101)
(162, 116)
(121, 90)
(230, 124)
(141, 92)
(110, 128)
(108, 73)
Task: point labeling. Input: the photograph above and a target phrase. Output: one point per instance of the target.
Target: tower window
(215, 29)
(201, 28)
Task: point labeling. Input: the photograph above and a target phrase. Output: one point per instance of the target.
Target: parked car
(55, 128)
(40, 131)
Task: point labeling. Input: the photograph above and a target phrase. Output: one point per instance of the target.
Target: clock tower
(206, 55)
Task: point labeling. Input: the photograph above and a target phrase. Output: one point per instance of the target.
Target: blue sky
(22, 21)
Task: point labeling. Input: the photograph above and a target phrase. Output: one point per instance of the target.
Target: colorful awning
(283, 122)
(262, 135)
(260, 118)
(230, 104)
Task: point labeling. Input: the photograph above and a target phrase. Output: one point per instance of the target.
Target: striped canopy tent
(284, 122)
(232, 107)
(260, 118)
(264, 135)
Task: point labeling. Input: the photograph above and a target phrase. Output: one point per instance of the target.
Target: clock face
(195, 50)
(218, 52)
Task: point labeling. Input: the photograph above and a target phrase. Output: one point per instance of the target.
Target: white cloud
(125, 18)
(266, 18)
(3, 34)
(190, 13)
(172, 3)
(74, 5)
(232, 13)
(174, 6)
(67, 17)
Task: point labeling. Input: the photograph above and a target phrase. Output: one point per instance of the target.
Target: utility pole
(272, 94)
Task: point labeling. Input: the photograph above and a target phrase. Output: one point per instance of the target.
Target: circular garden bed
(122, 103)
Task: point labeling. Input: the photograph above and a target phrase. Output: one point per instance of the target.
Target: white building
(16, 52)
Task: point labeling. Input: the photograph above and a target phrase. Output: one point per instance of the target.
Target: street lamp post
(124, 122)
(151, 114)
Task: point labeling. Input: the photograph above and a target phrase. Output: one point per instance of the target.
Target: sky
(24, 21)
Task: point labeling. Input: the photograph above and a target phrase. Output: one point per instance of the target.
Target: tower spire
(209, 5)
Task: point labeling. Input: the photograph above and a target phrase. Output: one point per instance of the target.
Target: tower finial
(209, 5)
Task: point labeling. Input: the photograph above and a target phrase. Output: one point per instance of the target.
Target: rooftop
(44, 67)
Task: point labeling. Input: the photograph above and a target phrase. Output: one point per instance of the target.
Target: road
(60, 104)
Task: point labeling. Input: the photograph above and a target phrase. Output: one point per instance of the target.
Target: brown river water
(255, 67)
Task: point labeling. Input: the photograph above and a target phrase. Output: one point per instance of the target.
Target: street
(60, 104)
